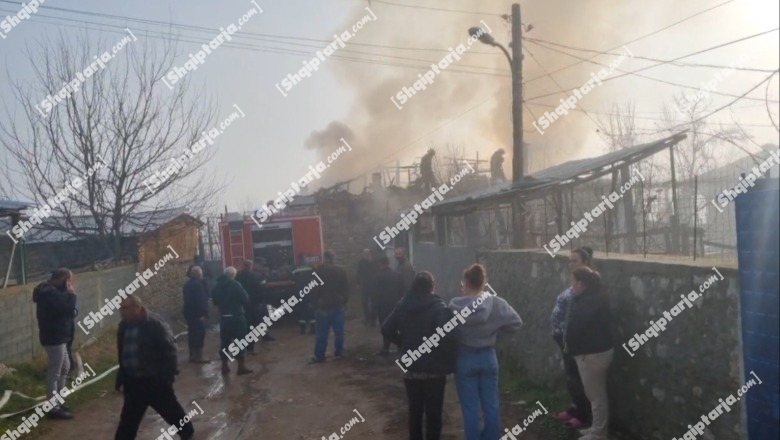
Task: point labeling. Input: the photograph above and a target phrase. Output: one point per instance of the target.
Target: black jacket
(55, 310)
(157, 348)
(388, 288)
(253, 284)
(589, 328)
(196, 300)
(407, 274)
(418, 316)
(366, 271)
(334, 290)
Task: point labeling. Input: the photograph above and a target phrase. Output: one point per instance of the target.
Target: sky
(468, 105)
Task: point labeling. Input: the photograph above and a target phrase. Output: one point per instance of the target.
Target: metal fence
(647, 221)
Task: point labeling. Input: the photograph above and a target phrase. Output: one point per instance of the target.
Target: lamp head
(482, 35)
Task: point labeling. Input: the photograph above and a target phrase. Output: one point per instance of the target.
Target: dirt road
(286, 398)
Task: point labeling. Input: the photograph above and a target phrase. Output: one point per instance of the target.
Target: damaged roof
(565, 174)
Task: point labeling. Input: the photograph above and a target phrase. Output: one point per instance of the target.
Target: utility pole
(517, 95)
(518, 171)
(516, 64)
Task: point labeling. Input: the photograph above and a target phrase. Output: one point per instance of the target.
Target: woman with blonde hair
(484, 316)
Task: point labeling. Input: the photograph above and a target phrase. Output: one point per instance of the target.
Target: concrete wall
(19, 327)
(673, 379)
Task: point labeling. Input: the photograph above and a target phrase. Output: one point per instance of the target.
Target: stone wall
(673, 379)
(446, 263)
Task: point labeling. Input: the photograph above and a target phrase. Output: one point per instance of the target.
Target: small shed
(182, 233)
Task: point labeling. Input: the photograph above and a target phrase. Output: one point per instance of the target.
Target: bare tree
(122, 114)
(619, 128)
(698, 153)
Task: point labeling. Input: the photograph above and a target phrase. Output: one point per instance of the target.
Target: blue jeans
(476, 378)
(327, 318)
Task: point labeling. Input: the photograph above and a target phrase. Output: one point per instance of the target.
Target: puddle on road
(212, 373)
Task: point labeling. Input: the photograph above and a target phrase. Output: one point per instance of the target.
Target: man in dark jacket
(147, 370)
(231, 298)
(55, 308)
(196, 311)
(366, 271)
(253, 284)
(302, 276)
(421, 314)
(388, 290)
(329, 299)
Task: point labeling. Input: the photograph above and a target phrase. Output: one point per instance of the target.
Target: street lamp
(516, 66)
(488, 39)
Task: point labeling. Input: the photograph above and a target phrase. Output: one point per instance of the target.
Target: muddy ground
(286, 397)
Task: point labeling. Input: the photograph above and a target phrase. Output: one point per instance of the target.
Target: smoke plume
(380, 133)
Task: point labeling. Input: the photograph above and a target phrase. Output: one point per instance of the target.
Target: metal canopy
(570, 173)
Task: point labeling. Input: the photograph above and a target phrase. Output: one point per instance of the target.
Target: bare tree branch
(122, 114)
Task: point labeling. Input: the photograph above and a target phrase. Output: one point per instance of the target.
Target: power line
(722, 107)
(634, 72)
(429, 8)
(275, 50)
(713, 66)
(640, 117)
(584, 110)
(639, 38)
(260, 36)
(663, 81)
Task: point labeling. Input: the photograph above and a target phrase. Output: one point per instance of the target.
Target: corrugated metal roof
(7, 206)
(564, 173)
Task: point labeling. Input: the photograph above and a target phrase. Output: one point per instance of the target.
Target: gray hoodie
(486, 320)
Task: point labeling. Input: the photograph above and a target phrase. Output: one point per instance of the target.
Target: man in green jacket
(231, 298)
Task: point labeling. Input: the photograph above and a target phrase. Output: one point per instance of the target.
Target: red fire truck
(280, 240)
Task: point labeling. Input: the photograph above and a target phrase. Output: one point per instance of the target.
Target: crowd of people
(403, 303)
(410, 312)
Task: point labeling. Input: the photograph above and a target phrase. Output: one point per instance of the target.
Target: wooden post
(674, 219)
(628, 211)
(695, 213)
(644, 220)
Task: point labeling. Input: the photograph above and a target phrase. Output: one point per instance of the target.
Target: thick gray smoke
(378, 131)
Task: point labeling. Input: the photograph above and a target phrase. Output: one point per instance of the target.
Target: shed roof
(565, 174)
(8, 207)
(136, 224)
